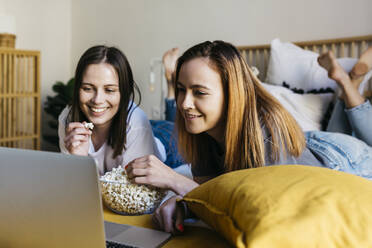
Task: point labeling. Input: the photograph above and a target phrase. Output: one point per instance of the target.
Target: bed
(292, 74)
(298, 230)
(258, 55)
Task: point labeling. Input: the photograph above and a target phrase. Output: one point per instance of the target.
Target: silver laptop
(53, 200)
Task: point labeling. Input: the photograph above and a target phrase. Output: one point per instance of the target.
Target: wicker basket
(7, 40)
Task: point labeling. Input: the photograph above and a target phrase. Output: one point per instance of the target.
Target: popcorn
(89, 125)
(125, 197)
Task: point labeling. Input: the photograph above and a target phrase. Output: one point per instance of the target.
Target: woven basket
(7, 40)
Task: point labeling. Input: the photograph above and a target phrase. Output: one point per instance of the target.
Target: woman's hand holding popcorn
(88, 125)
(77, 138)
(151, 171)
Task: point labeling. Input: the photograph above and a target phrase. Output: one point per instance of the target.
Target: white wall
(63, 29)
(144, 29)
(44, 25)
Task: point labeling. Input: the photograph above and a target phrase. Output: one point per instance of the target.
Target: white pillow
(299, 70)
(288, 64)
(307, 109)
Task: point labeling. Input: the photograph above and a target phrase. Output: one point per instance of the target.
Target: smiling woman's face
(200, 98)
(99, 94)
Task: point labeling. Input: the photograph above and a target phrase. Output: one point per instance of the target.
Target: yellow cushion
(287, 206)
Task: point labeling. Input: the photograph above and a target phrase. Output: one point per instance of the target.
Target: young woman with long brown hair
(227, 121)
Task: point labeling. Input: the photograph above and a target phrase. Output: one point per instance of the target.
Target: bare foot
(357, 73)
(169, 61)
(335, 71)
(359, 70)
(350, 93)
(364, 64)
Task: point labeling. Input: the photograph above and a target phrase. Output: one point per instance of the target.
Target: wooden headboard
(258, 56)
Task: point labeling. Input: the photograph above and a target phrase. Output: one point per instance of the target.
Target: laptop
(52, 200)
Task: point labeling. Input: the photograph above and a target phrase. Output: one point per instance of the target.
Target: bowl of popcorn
(124, 197)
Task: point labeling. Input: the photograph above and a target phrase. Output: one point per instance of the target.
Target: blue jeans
(170, 110)
(341, 152)
(355, 121)
(164, 131)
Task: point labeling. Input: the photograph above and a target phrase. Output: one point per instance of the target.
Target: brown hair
(249, 108)
(127, 87)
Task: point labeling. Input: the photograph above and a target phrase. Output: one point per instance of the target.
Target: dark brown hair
(102, 54)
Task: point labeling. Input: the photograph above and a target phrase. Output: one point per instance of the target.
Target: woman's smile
(99, 93)
(200, 97)
(98, 111)
(190, 117)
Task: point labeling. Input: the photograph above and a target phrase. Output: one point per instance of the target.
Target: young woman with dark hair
(227, 121)
(104, 95)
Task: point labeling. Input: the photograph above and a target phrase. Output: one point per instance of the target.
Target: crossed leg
(349, 86)
(363, 66)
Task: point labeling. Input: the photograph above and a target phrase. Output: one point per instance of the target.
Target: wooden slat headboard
(258, 56)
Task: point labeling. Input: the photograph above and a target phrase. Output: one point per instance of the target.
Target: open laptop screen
(49, 200)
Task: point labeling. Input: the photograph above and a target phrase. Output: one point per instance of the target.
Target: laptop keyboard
(110, 244)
